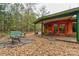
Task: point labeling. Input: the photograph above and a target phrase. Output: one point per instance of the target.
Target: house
(60, 23)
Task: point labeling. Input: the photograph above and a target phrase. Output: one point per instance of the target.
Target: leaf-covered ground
(42, 46)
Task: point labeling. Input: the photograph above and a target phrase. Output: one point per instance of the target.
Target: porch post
(42, 28)
(66, 28)
(69, 26)
(53, 28)
(58, 27)
(77, 26)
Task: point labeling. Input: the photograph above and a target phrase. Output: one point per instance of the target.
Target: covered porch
(63, 26)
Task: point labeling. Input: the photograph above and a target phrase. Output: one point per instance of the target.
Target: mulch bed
(9, 44)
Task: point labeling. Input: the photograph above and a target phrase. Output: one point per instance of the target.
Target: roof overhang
(69, 12)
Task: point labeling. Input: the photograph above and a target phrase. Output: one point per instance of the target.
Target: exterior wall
(49, 27)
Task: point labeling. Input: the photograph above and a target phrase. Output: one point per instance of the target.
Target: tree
(16, 15)
(30, 15)
(43, 11)
(3, 15)
(19, 16)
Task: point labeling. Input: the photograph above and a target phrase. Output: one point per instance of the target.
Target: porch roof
(69, 12)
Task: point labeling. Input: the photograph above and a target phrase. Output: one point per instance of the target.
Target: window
(55, 27)
(62, 27)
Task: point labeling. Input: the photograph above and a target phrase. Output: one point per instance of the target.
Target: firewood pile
(42, 47)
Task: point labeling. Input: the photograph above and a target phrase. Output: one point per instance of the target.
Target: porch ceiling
(58, 19)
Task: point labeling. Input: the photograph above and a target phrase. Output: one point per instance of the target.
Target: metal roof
(58, 15)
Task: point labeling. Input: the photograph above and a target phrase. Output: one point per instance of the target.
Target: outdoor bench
(15, 35)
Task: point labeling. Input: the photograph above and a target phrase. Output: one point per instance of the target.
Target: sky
(57, 7)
